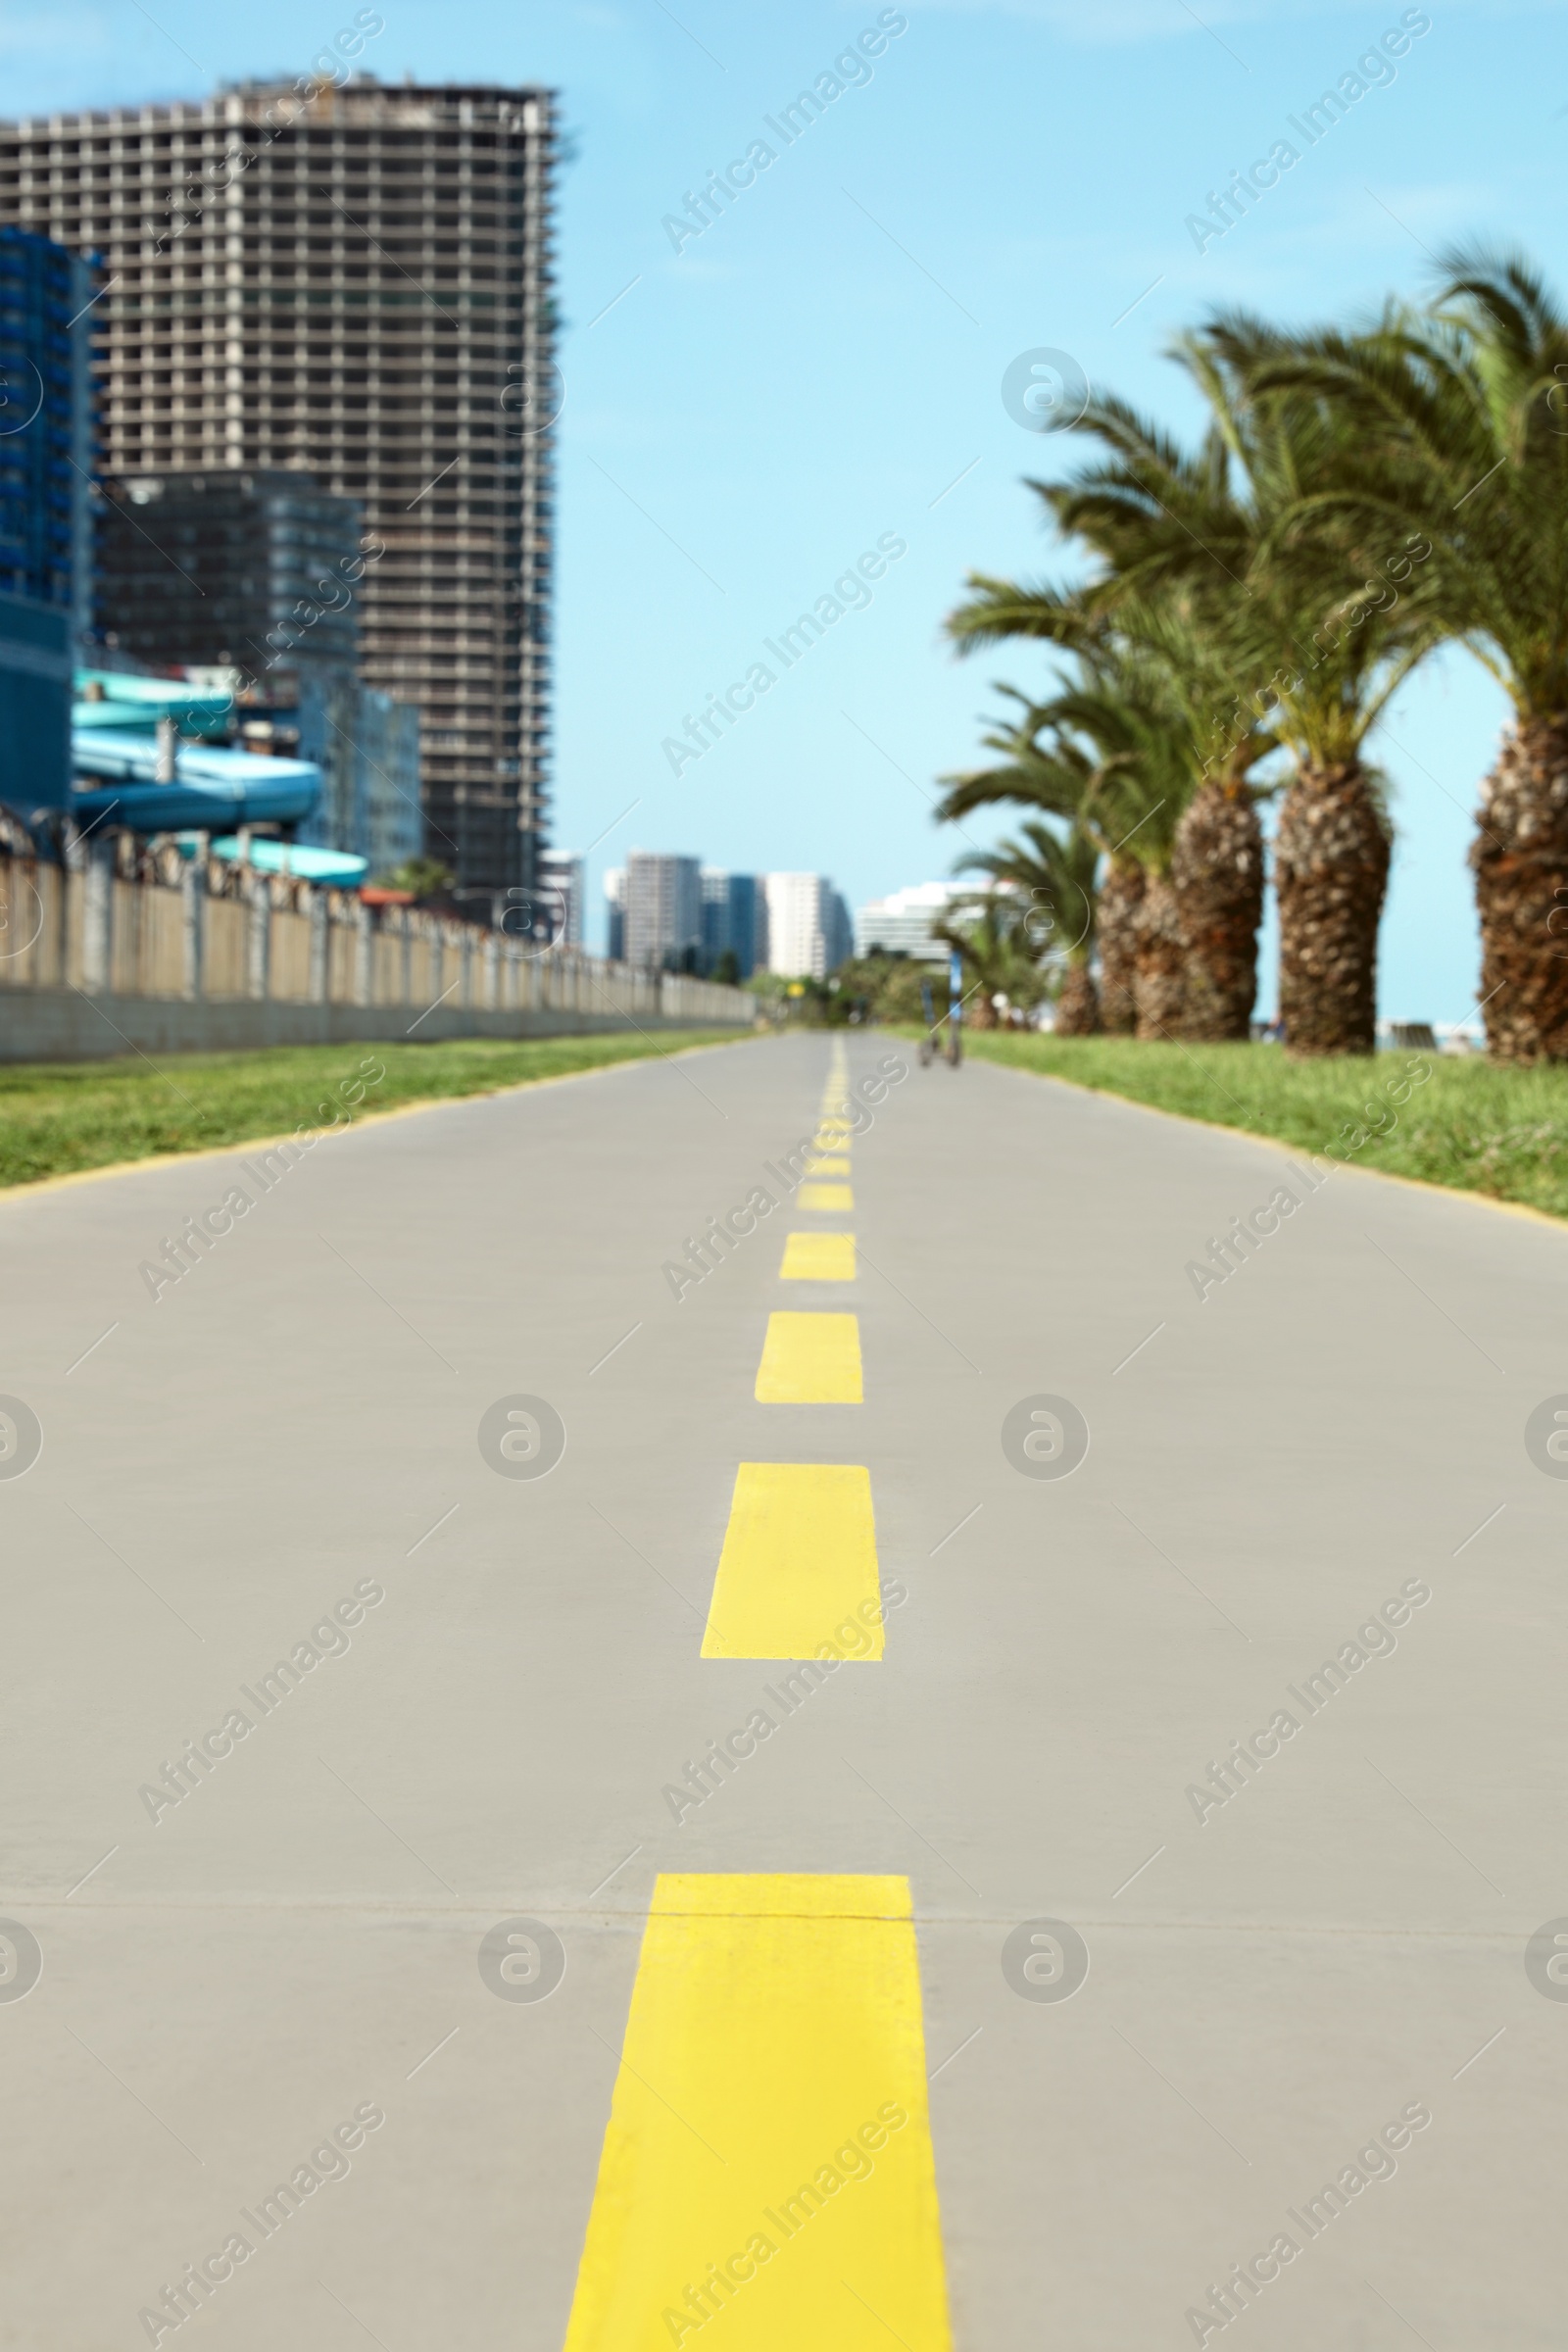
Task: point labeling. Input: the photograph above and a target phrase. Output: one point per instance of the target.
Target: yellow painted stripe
(828, 1163)
(769, 2143)
(798, 1565)
(811, 1359)
(825, 1195)
(818, 1257)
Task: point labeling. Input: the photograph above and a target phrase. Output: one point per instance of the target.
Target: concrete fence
(171, 954)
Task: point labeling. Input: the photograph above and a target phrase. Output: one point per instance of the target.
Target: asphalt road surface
(550, 1802)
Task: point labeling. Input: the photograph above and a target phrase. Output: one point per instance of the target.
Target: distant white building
(615, 914)
(807, 925)
(561, 888)
(901, 923)
(664, 903)
(796, 947)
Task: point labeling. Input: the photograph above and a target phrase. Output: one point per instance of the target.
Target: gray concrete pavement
(298, 1937)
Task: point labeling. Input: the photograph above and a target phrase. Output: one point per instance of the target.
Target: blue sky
(822, 366)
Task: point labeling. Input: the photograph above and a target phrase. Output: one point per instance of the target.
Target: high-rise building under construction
(355, 280)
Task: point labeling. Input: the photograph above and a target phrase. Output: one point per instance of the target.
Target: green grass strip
(57, 1118)
(1469, 1125)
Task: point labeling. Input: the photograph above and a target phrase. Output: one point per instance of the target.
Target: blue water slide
(215, 790)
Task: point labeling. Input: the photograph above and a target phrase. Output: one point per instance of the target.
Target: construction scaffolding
(354, 280)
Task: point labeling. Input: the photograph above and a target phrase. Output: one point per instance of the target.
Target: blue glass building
(46, 523)
(729, 919)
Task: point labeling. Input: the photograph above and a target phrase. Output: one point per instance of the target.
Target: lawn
(1479, 1129)
(59, 1117)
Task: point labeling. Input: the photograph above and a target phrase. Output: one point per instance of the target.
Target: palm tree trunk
(1331, 869)
(1078, 1005)
(1216, 868)
(1162, 961)
(1520, 858)
(1120, 895)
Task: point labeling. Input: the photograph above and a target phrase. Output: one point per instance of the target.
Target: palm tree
(1049, 770)
(1217, 871)
(1216, 862)
(1135, 702)
(1462, 417)
(1197, 644)
(1224, 528)
(1051, 881)
(1121, 907)
(1122, 705)
(1077, 756)
(997, 956)
(1235, 514)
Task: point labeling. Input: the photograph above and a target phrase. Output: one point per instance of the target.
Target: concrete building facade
(664, 909)
(255, 569)
(354, 280)
(562, 880)
(807, 925)
(901, 923)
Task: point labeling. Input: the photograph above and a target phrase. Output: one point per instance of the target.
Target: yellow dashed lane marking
(825, 1195)
(799, 1560)
(768, 2159)
(811, 1359)
(828, 1164)
(818, 1257)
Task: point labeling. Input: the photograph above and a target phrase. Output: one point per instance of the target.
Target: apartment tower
(664, 910)
(354, 280)
(808, 930)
